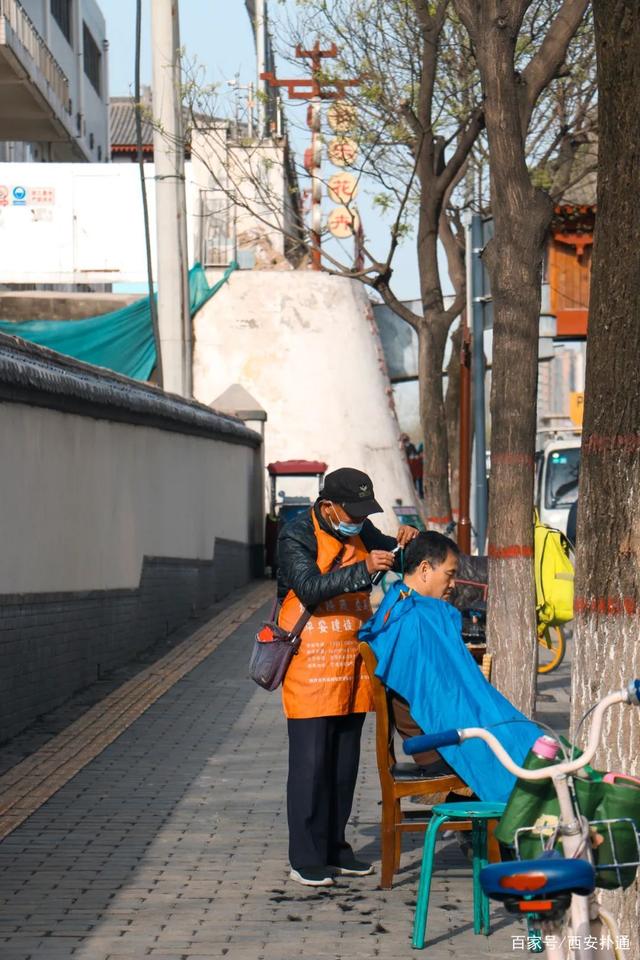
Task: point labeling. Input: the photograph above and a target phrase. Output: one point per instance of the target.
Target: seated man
(423, 659)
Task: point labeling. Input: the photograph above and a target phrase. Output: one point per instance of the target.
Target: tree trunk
(606, 648)
(432, 337)
(514, 258)
(452, 413)
(511, 620)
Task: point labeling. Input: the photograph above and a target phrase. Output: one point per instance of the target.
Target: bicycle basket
(615, 848)
(616, 806)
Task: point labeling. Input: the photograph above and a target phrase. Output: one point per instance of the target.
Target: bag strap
(276, 601)
(306, 615)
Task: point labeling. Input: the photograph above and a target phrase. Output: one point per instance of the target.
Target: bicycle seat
(543, 877)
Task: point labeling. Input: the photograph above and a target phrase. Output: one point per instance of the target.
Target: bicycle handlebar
(630, 694)
(429, 741)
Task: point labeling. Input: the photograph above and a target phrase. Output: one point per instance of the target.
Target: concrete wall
(123, 510)
(305, 345)
(32, 305)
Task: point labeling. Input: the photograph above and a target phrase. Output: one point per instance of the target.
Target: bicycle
(547, 887)
(552, 646)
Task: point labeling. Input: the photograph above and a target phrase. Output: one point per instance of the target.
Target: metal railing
(25, 31)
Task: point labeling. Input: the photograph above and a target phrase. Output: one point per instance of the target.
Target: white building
(53, 81)
(560, 378)
(82, 223)
(249, 199)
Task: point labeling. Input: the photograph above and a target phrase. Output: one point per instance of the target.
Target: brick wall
(52, 645)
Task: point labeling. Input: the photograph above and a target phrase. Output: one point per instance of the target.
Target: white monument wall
(305, 345)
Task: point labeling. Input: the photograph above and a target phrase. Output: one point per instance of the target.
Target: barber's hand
(406, 534)
(379, 560)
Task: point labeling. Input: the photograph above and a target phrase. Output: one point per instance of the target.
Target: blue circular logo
(19, 193)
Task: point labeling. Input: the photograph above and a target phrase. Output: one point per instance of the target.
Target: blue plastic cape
(121, 341)
(423, 658)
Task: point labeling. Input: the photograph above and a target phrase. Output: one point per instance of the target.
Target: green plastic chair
(478, 813)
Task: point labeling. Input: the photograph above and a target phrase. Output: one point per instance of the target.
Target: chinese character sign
(38, 196)
(343, 187)
(343, 223)
(342, 151)
(341, 116)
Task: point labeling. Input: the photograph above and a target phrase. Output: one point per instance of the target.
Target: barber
(326, 560)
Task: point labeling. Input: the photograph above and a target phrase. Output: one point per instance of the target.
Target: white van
(557, 468)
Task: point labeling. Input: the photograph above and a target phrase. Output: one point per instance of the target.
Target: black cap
(353, 490)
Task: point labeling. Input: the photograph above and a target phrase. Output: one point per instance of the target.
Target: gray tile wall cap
(34, 375)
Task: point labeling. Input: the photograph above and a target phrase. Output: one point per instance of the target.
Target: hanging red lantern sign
(343, 223)
(343, 151)
(341, 116)
(342, 187)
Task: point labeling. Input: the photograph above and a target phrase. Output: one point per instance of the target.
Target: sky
(217, 35)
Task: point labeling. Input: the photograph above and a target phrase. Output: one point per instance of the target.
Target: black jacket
(298, 570)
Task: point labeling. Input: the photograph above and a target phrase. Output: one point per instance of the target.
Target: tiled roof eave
(130, 148)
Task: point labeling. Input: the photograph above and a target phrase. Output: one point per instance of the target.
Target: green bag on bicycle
(536, 803)
(613, 843)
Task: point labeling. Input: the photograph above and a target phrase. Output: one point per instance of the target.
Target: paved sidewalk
(172, 844)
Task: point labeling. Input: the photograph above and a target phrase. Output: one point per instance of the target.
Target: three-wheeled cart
(283, 508)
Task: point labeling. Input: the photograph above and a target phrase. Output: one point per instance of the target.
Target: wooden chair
(399, 780)
(485, 665)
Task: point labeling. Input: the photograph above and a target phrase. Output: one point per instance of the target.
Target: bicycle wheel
(552, 647)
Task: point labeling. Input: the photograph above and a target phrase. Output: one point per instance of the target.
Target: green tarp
(121, 341)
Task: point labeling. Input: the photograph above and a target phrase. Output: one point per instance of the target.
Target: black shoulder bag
(274, 648)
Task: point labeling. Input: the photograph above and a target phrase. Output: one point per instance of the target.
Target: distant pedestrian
(415, 461)
(326, 558)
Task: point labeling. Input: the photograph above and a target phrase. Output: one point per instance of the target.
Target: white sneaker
(356, 868)
(312, 877)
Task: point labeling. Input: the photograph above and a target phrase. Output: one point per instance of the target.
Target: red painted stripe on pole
(513, 459)
(510, 553)
(598, 443)
(610, 606)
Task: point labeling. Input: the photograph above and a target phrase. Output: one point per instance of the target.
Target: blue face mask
(347, 529)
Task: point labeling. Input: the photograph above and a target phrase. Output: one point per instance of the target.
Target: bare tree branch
(464, 145)
(381, 285)
(545, 64)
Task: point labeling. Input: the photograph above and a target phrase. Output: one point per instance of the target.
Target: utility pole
(261, 57)
(479, 298)
(174, 318)
(313, 164)
(464, 483)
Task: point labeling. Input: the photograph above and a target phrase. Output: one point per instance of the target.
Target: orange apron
(327, 677)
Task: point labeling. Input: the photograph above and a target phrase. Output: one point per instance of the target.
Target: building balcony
(34, 90)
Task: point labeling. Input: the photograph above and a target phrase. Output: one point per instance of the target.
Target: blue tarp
(121, 341)
(423, 658)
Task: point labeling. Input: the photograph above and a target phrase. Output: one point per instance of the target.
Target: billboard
(70, 223)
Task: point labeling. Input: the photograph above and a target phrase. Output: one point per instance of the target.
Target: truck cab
(557, 469)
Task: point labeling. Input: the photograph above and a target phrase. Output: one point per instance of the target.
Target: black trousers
(324, 753)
